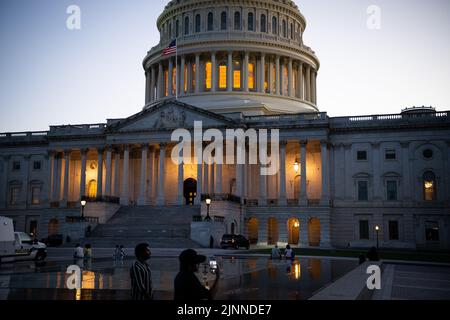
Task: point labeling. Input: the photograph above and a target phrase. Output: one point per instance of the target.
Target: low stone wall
(201, 232)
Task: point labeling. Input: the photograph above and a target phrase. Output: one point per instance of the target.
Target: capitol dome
(235, 56)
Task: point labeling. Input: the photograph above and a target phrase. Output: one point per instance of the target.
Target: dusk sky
(50, 75)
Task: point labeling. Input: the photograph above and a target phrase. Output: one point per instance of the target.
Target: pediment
(171, 115)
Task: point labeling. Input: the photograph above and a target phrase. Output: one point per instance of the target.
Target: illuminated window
(208, 74)
(272, 77)
(223, 21)
(92, 189)
(174, 80)
(285, 76)
(236, 75)
(429, 186)
(35, 195)
(222, 76)
(274, 25)
(194, 75)
(294, 80)
(166, 83)
(263, 23)
(251, 76)
(185, 75)
(266, 78)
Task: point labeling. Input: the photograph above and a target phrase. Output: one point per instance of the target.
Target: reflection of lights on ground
(78, 295)
(297, 271)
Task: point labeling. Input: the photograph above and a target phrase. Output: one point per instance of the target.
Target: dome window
(250, 22)
(197, 23)
(186, 26)
(284, 29)
(210, 21)
(274, 25)
(223, 21)
(263, 23)
(237, 21)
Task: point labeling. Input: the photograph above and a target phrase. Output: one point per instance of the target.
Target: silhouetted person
(372, 255)
(276, 253)
(141, 275)
(187, 285)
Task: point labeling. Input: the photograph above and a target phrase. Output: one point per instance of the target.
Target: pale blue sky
(50, 75)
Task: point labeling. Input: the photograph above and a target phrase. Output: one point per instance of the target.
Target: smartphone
(213, 266)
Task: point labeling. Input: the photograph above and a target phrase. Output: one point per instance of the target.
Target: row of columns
(305, 88)
(204, 173)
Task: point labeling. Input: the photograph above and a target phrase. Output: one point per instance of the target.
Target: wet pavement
(252, 278)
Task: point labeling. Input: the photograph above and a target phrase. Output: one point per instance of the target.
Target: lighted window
(208, 75)
(429, 186)
(263, 23)
(251, 76)
(174, 80)
(14, 195)
(35, 195)
(294, 80)
(272, 77)
(210, 21)
(222, 77)
(185, 75)
(266, 78)
(223, 21)
(194, 75)
(92, 189)
(274, 25)
(236, 75)
(285, 76)
(250, 22)
(166, 83)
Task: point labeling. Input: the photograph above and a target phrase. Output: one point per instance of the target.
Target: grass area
(443, 257)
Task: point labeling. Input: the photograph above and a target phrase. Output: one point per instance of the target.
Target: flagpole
(176, 73)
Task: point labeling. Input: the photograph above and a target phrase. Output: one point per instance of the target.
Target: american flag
(171, 49)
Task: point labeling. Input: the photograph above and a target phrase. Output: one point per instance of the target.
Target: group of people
(119, 253)
(82, 253)
(289, 253)
(187, 285)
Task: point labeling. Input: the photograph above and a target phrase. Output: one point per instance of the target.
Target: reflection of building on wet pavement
(252, 278)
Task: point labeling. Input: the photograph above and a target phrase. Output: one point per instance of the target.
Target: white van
(18, 246)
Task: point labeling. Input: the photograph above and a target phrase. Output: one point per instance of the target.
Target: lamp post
(208, 204)
(296, 166)
(83, 204)
(377, 230)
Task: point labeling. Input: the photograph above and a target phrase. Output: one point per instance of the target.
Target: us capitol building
(343, 182)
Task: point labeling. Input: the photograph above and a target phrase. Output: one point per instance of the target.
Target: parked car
(235, 241)
(54, 240)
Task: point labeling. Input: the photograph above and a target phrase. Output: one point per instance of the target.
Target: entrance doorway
(294, 231)
(190, 191)
(314, 232)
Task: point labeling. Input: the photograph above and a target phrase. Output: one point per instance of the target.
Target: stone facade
(338, 179)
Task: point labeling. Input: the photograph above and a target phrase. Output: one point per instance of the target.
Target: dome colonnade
(237, 50)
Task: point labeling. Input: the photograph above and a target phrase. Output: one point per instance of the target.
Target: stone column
(147, 87)
(161, 199)
(300, 80)
(83, 173)
(50, 178)
(170, 78)
(283, 200)
(213, 72)
(262, 190)
(304, 236)
(325, 174)
(108, 173)
(117, 172)
(151, 174)
(181, 72)
(313, 85)
(303, 199)
(198, 198)
(262, 73)
(142, 200)
(406, 187)
(124, 197)
(308, 83)
(180, 198)
(55, 195)
(66, 178)
(46, 183)
(290, 78)
(197, 73)
(246, 61)
(277, 75)
(100, 172)
(152, 84)
(230, 72)
(377, 196)
(218, 189)
(160, 87)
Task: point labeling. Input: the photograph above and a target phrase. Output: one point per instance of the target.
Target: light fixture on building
(296, 166)
(83, 204)
(296, 224)
(208, 204)
(428, 184)
(377, 230)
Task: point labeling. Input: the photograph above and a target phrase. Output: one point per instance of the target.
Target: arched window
(223, 70)
(177, 28)
(250, 22)
(170, 30)
(210, 21)
(186, 26)
(251, 76)
(429, 186)
(292, 32)
(197, 23)
(263, 23)
(237, 70)
(223, 21)
(208, 75)
(284, 29)
(274, 25)
(237, 21)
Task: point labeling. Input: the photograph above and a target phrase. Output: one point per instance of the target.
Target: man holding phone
(187, 285)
